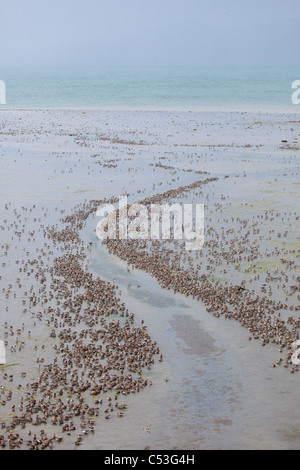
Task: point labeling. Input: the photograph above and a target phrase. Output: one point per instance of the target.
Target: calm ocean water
(247, 88)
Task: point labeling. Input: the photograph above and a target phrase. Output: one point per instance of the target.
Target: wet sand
(133, 345)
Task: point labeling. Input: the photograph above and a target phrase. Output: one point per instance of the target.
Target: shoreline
(276, 110)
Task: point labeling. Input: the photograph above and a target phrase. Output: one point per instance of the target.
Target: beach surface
(200, 360)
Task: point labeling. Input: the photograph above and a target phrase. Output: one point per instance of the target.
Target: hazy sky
(149, 31)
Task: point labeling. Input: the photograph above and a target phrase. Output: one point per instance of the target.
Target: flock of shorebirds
(260, 314)
(98, 355)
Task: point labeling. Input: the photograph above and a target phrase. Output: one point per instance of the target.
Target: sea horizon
(152, 88)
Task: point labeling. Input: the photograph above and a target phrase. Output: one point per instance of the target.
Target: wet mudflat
(127, 345)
